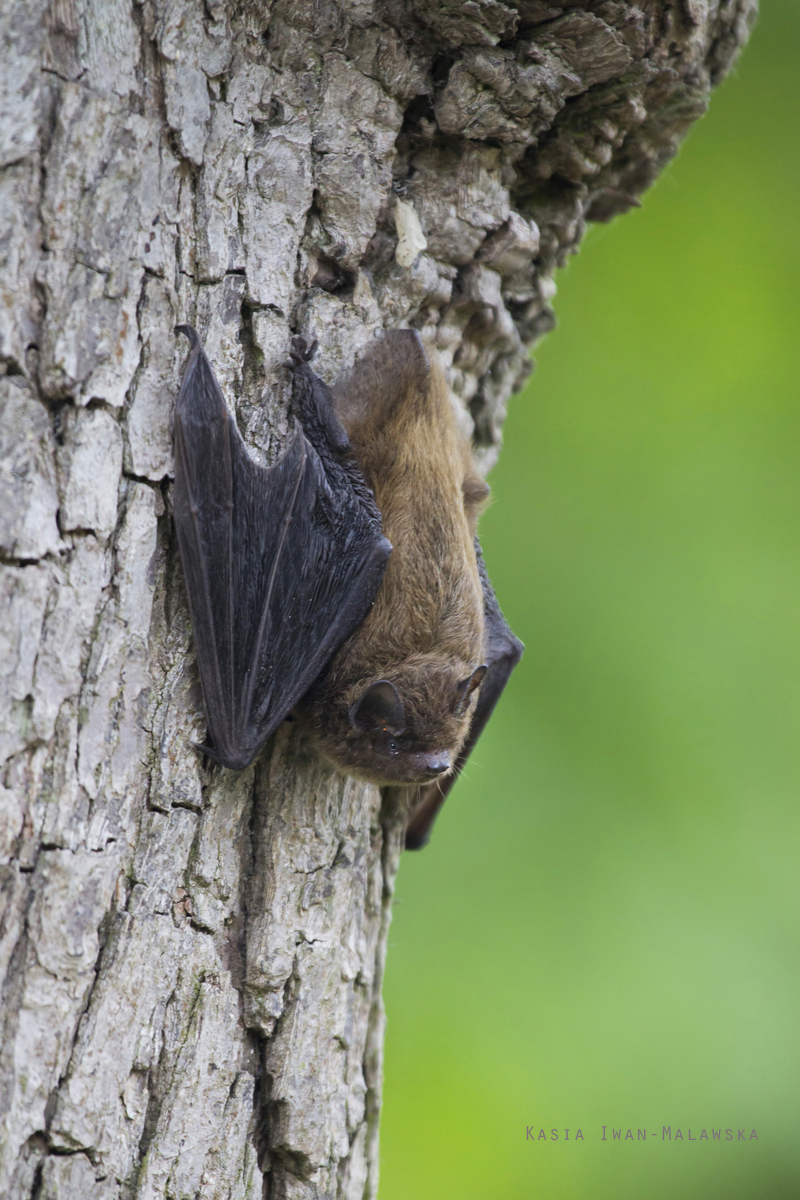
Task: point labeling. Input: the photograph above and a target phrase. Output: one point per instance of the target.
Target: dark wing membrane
(502, 653)
(281, 564)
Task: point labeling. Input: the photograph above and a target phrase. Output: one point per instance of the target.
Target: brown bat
(346, 582)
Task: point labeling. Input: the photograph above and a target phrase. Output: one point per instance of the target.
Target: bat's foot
(301, 352)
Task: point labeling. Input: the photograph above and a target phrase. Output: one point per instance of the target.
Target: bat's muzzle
(431, 765)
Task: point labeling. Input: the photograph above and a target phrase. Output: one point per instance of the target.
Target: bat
(344, 584)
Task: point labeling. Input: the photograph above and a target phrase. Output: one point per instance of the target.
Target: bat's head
(405, 728)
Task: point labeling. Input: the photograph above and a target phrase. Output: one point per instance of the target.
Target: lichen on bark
(191, 959)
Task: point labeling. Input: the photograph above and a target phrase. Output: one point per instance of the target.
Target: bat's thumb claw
(190, 332)
(208, 752)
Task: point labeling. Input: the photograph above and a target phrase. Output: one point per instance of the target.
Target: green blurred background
(604, 928)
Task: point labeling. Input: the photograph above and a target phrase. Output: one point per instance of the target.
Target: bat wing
(281, 563)
(503, 652)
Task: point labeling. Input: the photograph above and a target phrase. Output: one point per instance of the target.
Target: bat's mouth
(410, 769)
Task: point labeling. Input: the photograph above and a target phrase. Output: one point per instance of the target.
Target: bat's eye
(391, 747)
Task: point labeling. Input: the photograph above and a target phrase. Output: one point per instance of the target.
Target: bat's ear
(467, 686)
(379, 708)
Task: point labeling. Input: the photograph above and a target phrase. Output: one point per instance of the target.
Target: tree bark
(192, 959)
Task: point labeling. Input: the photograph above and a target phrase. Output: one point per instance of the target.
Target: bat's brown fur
(425, 630)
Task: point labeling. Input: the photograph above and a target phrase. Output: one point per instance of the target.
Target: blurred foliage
(604, 928)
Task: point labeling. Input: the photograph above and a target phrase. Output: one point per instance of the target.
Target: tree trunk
(191, 958)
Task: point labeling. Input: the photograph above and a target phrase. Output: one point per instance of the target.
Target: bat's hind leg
(301, 352)
(314, 404)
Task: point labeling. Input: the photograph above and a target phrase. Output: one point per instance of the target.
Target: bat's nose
(437, 763)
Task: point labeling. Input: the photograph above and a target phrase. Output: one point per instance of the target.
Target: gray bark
(191, 961)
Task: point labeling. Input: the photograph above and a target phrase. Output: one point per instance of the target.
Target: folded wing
(281, 563)
(502, 652)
